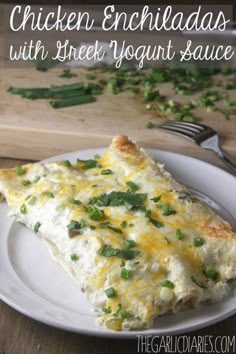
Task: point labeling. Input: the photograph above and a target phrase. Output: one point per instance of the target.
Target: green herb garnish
(210, 273)
(67, 163)
(108, 251)
(123, 224)
(165, 208)
(74, 257)
(129, 199)
(132, 186)
(125, 273)
(149, 125)
(19, 170)
(198, 241)
(129, 243)
(167, 284)
(36, 179)
(75, 201)
(110, 292)
(179, 234)
(67, 74)
(33, 200)
(107, 172)
(37, 226)
(23, 209)
(106, 309)
(196, 282)
(94, 213)
(50, 194)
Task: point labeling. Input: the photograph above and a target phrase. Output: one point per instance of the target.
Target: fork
(203, 135)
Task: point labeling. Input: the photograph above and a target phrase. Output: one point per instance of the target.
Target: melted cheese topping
(166, 273)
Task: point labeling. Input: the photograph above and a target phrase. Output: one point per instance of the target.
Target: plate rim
(128, 334)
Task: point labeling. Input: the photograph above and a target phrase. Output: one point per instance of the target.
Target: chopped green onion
(37, 226)
(106, 309)
(36, 179)
(123, 314)
(167, 241)
(110, 293)
(179, 234)
(94, 213)
(198, 241)
(73, 101)
(211, 273)
(25, 182)
(167, 284)
(74, 257)
(196, 282)
(92, 227)
(23, 209)
(19, 170)
(75, 201)
(107, 172)
(67, 74)
(129, 243)
(125, 273)
(60, 207)
(165, 208)
(33, 200)
(50, 195)
(67, 163)
(123, 223)
(74, 225)
(132, 186)
(115, 229)
(90, 76)
(149, 125)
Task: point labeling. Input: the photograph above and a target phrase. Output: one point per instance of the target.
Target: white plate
(33, 284)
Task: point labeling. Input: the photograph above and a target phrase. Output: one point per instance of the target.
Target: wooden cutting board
(31, 129)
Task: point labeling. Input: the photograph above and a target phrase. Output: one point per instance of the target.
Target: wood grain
(21, 335)
(32, 129)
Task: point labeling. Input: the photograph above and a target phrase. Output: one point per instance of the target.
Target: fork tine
(194, 125)
(186, 127)
(176, 130)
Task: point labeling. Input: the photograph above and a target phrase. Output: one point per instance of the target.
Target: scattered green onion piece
(129, 243)
(179, 234)
(167, 284)
(107, 172)
(74, 257)
(23, 209)
(67, 163)
(36, 179)
(149, 125)
(33, 200)
(123, 314)
(211, 273)
(125, 273)
(37, 226)
(194, 280)
(106, 309)
(198, 241)
(74, 101)
(50, 194)
(110, 293)
(123, 223)
(75, 201)
(25, 182)
(19, 170)
(132, 186)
